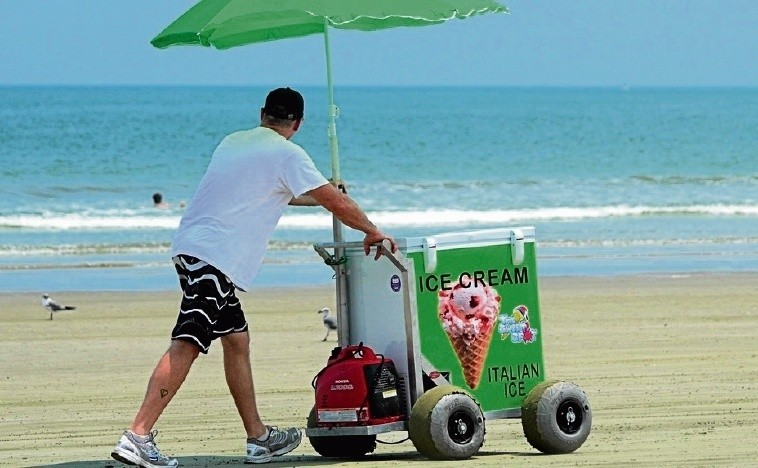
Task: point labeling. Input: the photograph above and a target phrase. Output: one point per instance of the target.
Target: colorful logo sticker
(517, 326)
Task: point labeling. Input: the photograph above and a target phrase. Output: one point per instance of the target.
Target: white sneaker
(277, 443)
(133, 450)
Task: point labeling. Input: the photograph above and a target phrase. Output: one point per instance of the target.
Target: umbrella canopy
(229, 23)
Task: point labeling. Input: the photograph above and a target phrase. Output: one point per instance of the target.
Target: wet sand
(669, 363)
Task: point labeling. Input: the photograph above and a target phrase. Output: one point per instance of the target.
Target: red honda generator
(357, 389)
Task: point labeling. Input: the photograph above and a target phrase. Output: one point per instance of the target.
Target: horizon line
(623, 86)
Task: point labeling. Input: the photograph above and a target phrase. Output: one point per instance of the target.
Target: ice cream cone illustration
(468, 316)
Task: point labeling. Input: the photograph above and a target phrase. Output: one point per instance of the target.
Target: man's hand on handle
(378, 237)
(346, 210)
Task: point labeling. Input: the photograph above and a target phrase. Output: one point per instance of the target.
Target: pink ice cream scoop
(468, 311)
(473, 301)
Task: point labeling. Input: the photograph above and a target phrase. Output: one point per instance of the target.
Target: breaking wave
(410, 218)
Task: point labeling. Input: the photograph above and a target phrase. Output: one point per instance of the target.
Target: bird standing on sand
(330, 323)
(49, 304)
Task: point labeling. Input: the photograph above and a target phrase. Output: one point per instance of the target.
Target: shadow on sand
(286, 460)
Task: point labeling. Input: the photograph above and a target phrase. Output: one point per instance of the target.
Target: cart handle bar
(331, 260)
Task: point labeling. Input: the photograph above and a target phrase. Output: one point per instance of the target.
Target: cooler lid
(430, 245)
(462, 239)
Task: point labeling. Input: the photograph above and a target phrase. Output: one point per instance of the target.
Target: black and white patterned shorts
(209, 308)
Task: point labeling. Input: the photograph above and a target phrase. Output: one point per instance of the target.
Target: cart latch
(517, 246)
(429, 244)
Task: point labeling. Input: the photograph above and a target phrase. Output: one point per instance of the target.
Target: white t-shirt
(251, 178)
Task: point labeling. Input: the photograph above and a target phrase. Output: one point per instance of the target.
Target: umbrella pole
(332, 125)
(343, 318)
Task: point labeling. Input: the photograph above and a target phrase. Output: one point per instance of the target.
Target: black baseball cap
(284, 103)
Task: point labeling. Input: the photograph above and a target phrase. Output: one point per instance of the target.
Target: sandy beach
(669, 363)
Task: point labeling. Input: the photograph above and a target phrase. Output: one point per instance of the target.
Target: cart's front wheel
(340, 446)
(446, 423)
(556, 417)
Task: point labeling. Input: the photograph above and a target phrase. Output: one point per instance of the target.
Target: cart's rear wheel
(340, 446)
(556, 417)
(446, 423)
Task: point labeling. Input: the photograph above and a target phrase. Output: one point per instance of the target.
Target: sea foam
(412, 218)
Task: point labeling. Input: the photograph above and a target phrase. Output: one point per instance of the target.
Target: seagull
(330, 323)
(53, 306)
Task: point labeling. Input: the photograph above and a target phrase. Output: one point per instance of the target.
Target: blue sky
(553, 43)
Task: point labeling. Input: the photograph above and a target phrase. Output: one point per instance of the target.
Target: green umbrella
(229, 23)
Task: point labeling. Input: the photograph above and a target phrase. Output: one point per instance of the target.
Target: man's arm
(347, 211)
(308, 200)
(304, 200)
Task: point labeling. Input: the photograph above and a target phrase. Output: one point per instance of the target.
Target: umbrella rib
(454, 14)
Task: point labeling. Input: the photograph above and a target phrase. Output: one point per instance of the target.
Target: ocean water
(615, 181)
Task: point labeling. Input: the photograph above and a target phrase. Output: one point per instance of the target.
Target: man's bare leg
(239, 378)
(168, 376)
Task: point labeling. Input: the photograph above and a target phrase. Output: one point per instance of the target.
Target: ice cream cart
(458, 317)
